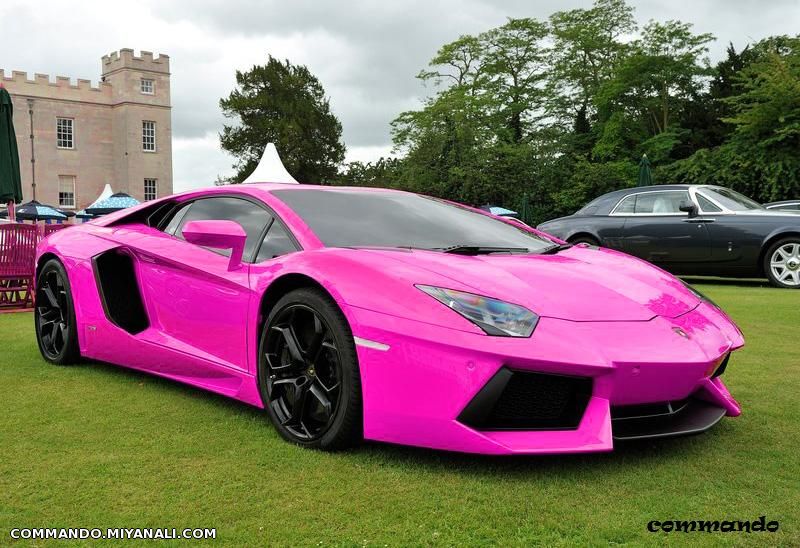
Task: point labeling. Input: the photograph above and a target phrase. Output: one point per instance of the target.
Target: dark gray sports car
(691, 229)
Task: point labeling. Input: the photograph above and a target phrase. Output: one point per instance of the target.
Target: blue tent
(113, 203)
(35, 211)
(500, 211)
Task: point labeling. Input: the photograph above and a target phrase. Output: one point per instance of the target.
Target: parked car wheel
(308, 372)
(782, 263)
(583, 239)
(54, 316)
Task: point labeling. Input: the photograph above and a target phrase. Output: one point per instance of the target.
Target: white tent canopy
(105, 195)
(270, 169)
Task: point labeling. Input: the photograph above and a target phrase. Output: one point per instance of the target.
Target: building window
(150, 189)
(149, 136)
(147, 86)
(66, 191)
(64, 133)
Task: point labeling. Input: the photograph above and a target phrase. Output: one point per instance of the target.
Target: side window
(177, 217)
(250, 216)
(627, 205)
(661, 203)
(277, 242)
(706, 205)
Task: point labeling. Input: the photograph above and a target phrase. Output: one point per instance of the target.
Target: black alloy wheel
(54, 316)
(308, 372)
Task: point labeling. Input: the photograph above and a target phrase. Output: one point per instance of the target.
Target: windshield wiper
(386, 247)
(480, 249)
(552, 250)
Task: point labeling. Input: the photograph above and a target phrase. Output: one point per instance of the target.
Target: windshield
(355, 218)
(730, 199)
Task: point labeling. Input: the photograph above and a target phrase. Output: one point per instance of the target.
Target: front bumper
(687, 417)
(420, 378)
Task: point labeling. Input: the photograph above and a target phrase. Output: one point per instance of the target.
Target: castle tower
(141, 122)
(74, 138)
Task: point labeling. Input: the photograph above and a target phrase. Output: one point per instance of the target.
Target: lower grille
(522, 400)
(647, 409)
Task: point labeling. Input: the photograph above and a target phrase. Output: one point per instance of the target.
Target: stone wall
(107, 128)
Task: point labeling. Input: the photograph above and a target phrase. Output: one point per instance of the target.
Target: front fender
(356, 280)
(778, 233)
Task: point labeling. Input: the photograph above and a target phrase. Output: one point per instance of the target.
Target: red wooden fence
(17, 256)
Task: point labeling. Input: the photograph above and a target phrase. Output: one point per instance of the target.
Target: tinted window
(348, 218)
(175, 222)
(660, 202)
(250, 216)
(706, 206)
(627, 205)
(277, 242)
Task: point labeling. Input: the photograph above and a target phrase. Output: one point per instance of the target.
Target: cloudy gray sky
(366, 53)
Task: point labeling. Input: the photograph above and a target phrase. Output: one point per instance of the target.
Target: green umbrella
(645, 176)
(525, 212)
(10, 183)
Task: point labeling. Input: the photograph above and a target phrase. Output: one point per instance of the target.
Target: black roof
(635, 189)
(602, 205)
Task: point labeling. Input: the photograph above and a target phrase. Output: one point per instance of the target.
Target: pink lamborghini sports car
(352, 313)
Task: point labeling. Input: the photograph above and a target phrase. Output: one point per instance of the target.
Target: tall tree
(285, 104)
(641, 104)
(703, 116)
(550, 115)
(759, 156)
(515, 65)
(382, 173)
(587, 48)
(766, 118)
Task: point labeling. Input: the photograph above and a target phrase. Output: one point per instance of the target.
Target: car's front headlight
(495, 317)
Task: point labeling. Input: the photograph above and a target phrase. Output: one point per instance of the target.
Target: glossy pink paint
(603, 315)
(218, 235)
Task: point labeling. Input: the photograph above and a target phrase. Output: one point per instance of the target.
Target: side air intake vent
(522, 400)
(119, 291)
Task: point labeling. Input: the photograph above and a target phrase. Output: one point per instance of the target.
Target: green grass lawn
(98, 446)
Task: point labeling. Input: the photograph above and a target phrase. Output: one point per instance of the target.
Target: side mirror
(219, 235)
(688, 207)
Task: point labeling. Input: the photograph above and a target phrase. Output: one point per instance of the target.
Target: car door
(195, 303)
(658, 231)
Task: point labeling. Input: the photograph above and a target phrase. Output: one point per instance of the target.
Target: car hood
(553, 221)
(578, 284)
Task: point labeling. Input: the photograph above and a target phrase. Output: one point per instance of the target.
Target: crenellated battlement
(106, 143)
(126, 59)
(19, 80)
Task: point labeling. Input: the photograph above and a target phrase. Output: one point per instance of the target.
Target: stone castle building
(75, 138)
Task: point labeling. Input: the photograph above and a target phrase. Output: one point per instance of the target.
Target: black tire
(583, 239)
(788, 275)
(54, 316)
(295, 384)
